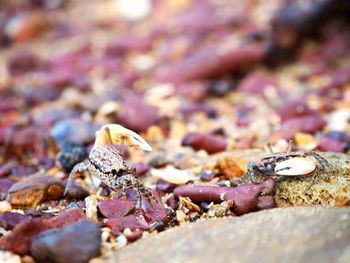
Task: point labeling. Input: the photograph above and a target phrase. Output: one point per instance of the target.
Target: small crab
(106, 162)
(287, 164)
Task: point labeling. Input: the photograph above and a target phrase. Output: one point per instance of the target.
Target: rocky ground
(207, 84)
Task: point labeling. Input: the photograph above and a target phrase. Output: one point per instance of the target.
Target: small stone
(8, 257)
(256, 83)
(208, 142)
(5, 206)
(76, 243)
(34, 190)
(328, 144)
(230, 168)
(133, 222)
(180, 216)
(115, 207)
(9, 220)
(70, 155)
(141, 169)
(91, 207)
(173, 175)
(164, 186)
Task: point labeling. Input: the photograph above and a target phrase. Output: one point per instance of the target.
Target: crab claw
(117, 134)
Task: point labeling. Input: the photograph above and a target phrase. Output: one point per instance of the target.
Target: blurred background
(246, 72)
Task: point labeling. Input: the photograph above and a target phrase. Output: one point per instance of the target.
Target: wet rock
(136, 115)
(70, 155)
(332, 192)
(133, 222)
(34, 190)
(76, 243)
(323, 231)
(208, 142)
(246, 197)
(9, 220)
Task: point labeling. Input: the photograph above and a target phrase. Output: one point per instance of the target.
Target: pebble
(133, 222)
(5, 206)
(208, 142)
(8, 257)
(172, 175)
(70, 155)
(331, 145)
(75, 243)
(9, 220)
(34, 190)
(246, 197)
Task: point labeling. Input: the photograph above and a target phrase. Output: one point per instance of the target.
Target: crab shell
(296, 166)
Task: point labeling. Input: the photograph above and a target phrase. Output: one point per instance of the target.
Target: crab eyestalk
(117, 134)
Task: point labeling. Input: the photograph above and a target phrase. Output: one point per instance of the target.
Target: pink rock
(9, 220)
(118, 224)
(208, 142)
(331, 145)
(256, 83)
(212, 61)
(307, 124)
(136, 115)
(116, 207)
(247, 197)
(141, 169)
(66, 217)
(294, 109)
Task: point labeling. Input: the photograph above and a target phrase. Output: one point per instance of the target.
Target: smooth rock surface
(298, 234)
(75, 243)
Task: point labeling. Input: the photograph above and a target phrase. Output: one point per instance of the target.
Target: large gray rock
(299, 234)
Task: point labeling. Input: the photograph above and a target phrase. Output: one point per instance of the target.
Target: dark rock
(164, 186)
(71, 154)
(256, 237)
(34, 190)
(76, 243)
(115, 207)
(141, 169)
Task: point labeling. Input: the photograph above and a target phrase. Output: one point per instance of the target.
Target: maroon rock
(118, 224)
(135, 235)
(22, 62)
(141, 169)
(136, 115)
(9, 220)
(256, 83)
(19, 240)
(164, 186)
(246, 197)
(208, 142)
(67, 217)
(294, 109)
(131, 42)
(115, 207)
(331, 145)
(76, 243)
(211, 61)
(307, 124)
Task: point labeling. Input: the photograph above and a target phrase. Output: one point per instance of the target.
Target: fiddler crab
(107, 163)
(281, 165)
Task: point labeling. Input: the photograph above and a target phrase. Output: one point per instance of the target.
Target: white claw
(120, 134)
(296, 166)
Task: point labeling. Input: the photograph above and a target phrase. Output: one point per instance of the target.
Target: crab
(282, 165)
(107, 163)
